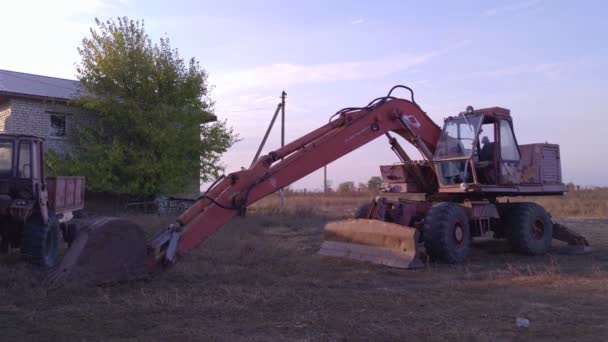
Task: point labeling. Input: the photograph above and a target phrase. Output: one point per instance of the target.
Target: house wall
(33, 117)
(5, 111)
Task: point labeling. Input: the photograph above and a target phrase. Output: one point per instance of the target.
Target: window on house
(58, 125)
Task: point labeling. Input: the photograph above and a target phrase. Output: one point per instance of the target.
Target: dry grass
(589, 203)
(584, 203)
(259, 279)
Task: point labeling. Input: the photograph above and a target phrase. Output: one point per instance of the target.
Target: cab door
(508, 154)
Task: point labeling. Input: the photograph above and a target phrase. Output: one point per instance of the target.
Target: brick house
(39, 105)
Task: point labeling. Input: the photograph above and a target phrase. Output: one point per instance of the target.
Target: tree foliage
(147, 136)
(346, 187)
(373, 184)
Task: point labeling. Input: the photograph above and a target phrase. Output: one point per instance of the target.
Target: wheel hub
(458, 233)
(538, 230)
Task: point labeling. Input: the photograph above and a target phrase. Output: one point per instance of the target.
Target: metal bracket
(171, 251)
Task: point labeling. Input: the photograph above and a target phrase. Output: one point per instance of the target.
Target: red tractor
(468, 166)
(35, 211)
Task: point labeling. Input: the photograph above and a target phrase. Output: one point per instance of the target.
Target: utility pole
(283, 96)
(274, 117)
(325, 179)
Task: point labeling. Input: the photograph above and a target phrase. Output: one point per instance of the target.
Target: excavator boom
(351, 129)
(346, 131)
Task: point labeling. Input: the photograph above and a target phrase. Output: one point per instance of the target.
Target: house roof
(29, 85)
(20, 84)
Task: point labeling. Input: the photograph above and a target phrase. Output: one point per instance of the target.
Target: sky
(547, 61)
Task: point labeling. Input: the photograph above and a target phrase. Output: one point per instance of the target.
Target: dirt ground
(259, 279)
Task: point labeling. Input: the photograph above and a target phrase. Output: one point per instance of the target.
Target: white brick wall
(5, 111)
(33, 117)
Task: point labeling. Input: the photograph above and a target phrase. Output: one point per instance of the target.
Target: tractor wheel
(447, 236)
(529, 229)
(40, 242)
(71, 233)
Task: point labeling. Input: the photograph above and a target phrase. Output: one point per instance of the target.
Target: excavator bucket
(375, 241)
(109, 250)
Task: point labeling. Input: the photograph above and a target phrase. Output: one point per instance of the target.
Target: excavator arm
(114, 249)
(350, 129)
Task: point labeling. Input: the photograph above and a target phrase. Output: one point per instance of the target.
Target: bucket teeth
(375, 241)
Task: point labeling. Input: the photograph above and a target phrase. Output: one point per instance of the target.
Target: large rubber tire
(447, 235)
(69, 231)
(40, 243)
(529, 229)
(72, 233)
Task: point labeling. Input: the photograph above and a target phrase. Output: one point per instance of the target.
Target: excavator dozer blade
(107, 251)
(375, 241)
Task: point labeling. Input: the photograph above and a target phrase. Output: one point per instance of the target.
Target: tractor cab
(20, 168)
(477, 147)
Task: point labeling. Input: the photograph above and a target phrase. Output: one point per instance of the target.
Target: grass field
(259, 279)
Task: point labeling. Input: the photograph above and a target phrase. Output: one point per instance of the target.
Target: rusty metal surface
(66, 193)
(483, 210)
(510, 173)
(540, 164)
(577, 244)
(374, 241)
(416, 176)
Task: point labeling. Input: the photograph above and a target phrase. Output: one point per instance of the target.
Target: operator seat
(485, 167)
(487, 150)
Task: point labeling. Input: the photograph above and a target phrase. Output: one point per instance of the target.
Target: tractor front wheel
(40, 242)
(529, 228)
(447, 236)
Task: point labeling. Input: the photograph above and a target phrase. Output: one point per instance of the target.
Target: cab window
(25, 160)
(6, 159)
(508, 145)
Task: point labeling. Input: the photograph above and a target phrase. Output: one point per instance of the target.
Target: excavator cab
(456, 148)
(477, 148)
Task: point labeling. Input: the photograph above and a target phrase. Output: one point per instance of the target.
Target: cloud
(357, 21)
(514, 7)
(283, 75)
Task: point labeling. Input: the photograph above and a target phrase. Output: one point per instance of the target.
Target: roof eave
(34, 97)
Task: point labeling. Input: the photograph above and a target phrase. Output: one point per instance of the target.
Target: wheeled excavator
(467, 167)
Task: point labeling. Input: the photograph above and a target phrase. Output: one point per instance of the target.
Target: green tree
(147, 136)
(346, 187)
(373, 184)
